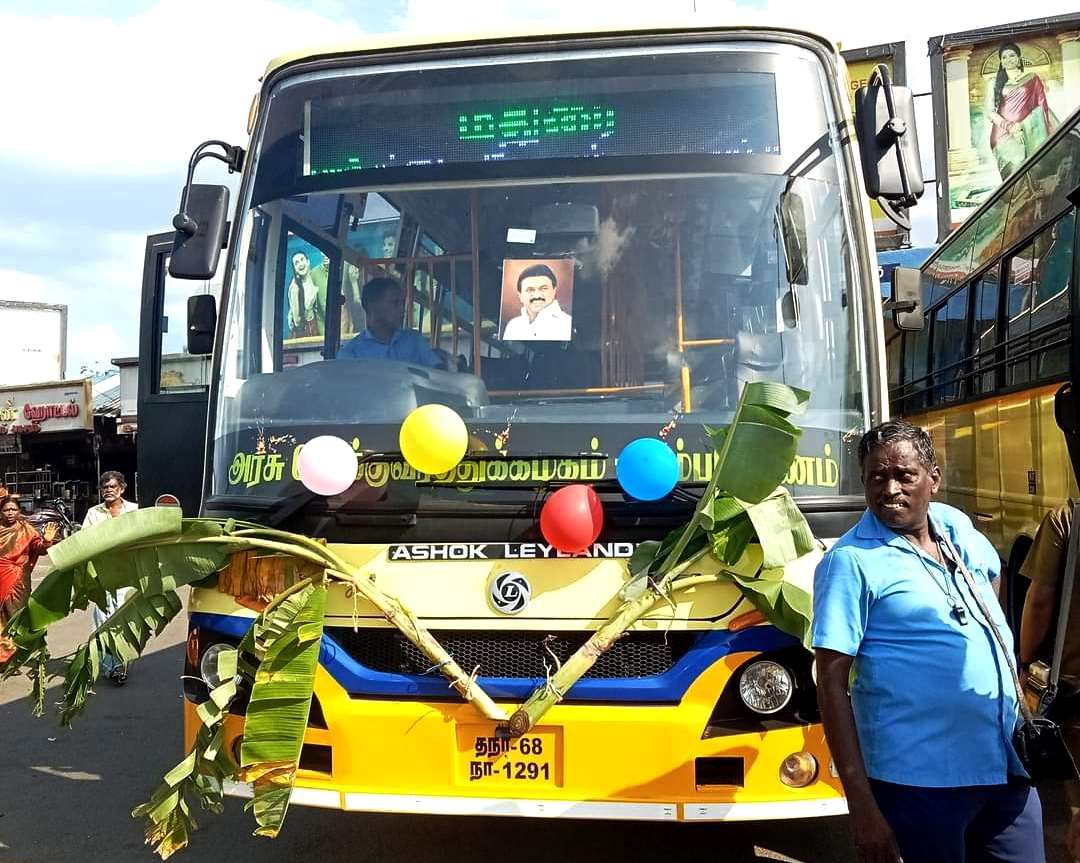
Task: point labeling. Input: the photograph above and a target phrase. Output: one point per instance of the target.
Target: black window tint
(916, 356)
(1018, 317)
(984, 329)
(1050, 298)
(892, 361)
(950, 337)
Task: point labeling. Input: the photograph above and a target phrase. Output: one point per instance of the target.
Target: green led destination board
(520, 122)
(735, 117)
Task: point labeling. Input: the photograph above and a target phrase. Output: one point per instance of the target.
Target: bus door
(173, 385)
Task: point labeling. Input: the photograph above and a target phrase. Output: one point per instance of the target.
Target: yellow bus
(695, 199)
(1000, 299)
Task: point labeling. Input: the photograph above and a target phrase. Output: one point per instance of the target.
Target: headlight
(208, 665)
(766, 686)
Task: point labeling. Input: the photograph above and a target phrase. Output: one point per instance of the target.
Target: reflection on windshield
(644, 296)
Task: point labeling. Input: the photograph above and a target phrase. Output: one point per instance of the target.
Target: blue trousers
(977, 824)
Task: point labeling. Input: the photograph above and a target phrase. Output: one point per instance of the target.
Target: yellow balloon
(433, 439)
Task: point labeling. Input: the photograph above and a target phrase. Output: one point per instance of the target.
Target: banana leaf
(286, 641)
(200, 774)
(781, 529)
(140, 525)
(123, 634)
(785, 605)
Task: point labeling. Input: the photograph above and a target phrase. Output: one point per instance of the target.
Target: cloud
(135, 96)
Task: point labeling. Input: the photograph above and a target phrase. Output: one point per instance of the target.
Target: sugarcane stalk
(707, 496)
(570, 672)
(628, 613)
(389, 606)
(400, 616)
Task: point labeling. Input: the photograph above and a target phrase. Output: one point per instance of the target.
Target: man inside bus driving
(384, 338)
(922, 739)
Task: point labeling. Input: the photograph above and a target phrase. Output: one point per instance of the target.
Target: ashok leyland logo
(510, 592)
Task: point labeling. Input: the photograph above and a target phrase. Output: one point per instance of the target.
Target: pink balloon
(327, 465)
(571, 518)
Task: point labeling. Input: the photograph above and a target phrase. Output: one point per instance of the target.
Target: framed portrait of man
(537, 300)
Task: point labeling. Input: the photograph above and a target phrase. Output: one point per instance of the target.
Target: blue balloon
(647, 469)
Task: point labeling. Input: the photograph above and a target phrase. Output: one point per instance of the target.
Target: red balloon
(571, 518)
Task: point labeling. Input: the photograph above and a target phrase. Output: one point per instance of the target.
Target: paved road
(66, 794)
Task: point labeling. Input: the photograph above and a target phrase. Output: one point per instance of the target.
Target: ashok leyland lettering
(693, 202)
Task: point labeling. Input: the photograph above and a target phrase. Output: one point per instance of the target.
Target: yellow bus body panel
(405, 754)
(1003, 462)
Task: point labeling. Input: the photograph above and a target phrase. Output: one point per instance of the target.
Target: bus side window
(916, 366)
(984, 331)
(950, 338)
(1050, 304)
(1018, 317)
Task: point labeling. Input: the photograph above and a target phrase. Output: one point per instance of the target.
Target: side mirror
(889, 145)
(201, 323)
(202, 221)
(200, 232)
(906, 303)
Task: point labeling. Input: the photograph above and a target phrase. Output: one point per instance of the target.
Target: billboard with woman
(998, 95)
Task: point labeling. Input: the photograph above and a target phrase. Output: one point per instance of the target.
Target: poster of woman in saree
(1020, 115)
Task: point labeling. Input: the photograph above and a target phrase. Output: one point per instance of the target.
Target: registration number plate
(486, 758)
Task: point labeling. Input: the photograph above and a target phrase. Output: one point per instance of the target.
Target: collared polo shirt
(933, 699)
(405, 345)
(100, 512)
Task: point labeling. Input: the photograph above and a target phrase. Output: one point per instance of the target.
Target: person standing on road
(112, 505)
(922, 739)
(20, 547)
(1045, 567)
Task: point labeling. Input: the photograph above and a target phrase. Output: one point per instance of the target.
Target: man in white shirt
(112, 504)
(541, 318)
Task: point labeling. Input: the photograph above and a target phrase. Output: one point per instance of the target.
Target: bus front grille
(515, 653)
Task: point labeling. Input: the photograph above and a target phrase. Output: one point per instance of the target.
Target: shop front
(52, 445)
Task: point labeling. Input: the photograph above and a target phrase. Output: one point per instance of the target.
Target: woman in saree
(20, 548)
(1020, 115)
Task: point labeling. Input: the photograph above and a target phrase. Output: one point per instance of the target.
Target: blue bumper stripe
(667, 688)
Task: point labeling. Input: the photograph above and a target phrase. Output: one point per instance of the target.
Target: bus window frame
(906, 393)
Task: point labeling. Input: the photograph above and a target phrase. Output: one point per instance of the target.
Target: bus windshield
(571, 250)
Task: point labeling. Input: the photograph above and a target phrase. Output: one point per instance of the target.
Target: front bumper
(624, 761)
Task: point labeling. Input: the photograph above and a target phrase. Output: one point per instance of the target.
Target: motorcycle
(56, 511)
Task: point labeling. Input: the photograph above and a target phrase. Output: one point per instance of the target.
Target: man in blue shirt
(384, 338)
(923, 741)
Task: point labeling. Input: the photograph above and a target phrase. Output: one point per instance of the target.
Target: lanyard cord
(946, 583)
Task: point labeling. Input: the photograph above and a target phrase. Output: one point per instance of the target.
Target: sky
(102, 103)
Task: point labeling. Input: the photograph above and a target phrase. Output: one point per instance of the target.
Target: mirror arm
(899, 217)
(899, 306)
(233, 157)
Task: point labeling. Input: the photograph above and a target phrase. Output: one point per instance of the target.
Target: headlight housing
(766, 687)
(208, 665)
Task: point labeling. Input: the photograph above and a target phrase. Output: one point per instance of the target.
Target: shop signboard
(34, 346)
(998, 94)
(44, 408)
(860, 64)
